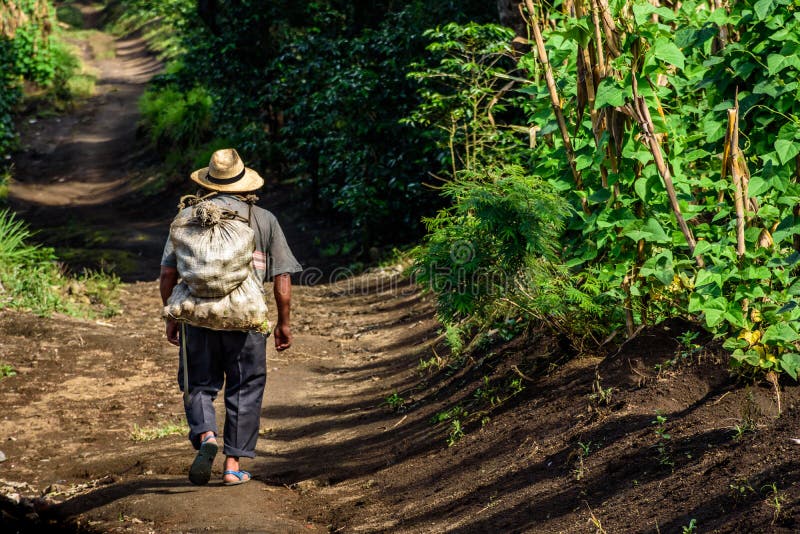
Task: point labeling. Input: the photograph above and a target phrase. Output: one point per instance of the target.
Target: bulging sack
(244, 308)
(214, 251)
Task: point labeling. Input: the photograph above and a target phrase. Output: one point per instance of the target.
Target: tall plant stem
(642, 115)
(598, 38)
(551, 87)
(736, 177)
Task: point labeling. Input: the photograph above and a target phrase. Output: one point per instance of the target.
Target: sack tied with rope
(219, 288)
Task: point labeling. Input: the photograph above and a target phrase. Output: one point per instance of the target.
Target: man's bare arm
(282, 289)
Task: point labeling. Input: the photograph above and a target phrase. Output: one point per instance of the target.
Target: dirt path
(78, 174)
(85, 387)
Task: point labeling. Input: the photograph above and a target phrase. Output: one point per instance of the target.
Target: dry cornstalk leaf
(765, 239)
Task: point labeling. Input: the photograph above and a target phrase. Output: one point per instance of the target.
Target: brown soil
(552, 442)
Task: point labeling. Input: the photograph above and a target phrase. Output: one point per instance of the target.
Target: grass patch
(31, 278)
(161, 430)
(81, 86)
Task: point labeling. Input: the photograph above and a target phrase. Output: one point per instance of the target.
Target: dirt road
(85, 389)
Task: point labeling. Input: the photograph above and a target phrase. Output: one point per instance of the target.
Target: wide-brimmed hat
(226, 172)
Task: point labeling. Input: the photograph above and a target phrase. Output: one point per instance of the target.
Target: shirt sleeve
(280, 259)
(168, 258)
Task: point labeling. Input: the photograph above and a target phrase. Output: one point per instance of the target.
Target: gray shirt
(272, 255)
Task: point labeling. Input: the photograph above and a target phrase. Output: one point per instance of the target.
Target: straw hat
(226, 172)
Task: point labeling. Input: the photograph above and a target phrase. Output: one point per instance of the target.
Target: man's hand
(283, 336)
(172, 332)
(282, 288)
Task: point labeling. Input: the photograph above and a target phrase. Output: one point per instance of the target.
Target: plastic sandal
(200, 472)
(240, 475)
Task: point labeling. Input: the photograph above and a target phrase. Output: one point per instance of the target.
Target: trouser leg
(246, 375)
(206, 377)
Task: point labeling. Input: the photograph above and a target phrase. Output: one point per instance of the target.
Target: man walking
(235, 358)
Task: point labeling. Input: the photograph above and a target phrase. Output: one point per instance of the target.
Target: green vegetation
(31, 278)
(395, 402)
(176, 119)
(663, 446)
(656, 227)
(35, 55)
(7, 370)
(159, 431)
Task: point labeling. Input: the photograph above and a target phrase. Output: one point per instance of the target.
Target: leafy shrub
(30, 51)
(176, 119)
(501, 231)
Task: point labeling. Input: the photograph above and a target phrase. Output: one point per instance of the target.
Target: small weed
(160, 431)
(515, 386)
(664, 438)
(435, 362)
(7, 370)
(600, 395)
(595, 521)
(687, 340)
(454, 336)
(487, 393)
(456, 412)
(740, 489)
(456, 432)
(688, 349)
(582, 453)
(395, 402)
(774, 500)
(456, 415)
(690, 528)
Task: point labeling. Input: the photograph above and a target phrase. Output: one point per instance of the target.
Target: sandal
(240, 475)
(200, 472)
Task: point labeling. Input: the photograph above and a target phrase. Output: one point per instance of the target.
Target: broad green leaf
(650, 231)
(733, 343)
(786, 150)
(714, 311)
(608, 94)
(778, 62)
(757, 186)
(763, 8)
(779, 334)
(696, 154)
(702, 247)
(735, 316)
(667, 51)
(790, 362)
(641, 188)
(695, 303)
(643, 10)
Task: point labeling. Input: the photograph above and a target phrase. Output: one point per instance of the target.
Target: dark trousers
(239, 361)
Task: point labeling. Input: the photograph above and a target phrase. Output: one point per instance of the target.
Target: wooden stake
(738, 195)
(642, 115)
(556, 102)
